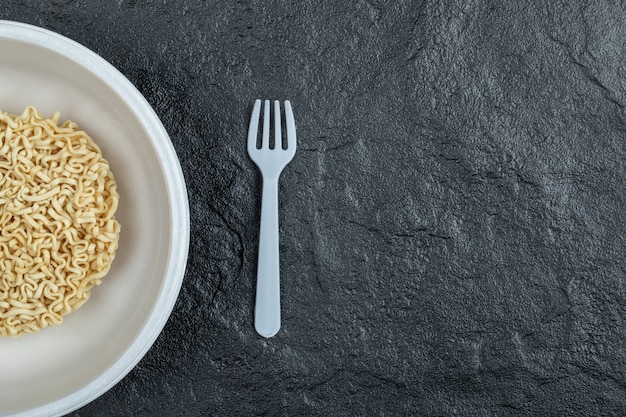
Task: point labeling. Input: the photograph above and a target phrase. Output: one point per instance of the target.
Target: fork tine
(291, 127)
(278, 136)
(254, 126)
(265, 144)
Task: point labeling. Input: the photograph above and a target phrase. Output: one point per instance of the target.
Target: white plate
(62, 368)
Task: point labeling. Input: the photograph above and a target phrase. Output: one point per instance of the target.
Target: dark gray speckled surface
(452, 227)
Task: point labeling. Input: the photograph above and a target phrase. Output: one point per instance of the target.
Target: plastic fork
(271, 162)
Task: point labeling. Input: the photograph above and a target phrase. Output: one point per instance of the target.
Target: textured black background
(451, 226)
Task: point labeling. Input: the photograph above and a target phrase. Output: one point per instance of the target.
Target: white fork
(271, 163)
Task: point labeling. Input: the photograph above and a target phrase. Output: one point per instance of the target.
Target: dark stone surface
(452, 226)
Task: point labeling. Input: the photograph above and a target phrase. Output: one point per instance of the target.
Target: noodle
(58, 233)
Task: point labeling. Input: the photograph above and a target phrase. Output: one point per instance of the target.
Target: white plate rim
(178, 205)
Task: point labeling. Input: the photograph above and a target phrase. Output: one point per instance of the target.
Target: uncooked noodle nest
(58, 233)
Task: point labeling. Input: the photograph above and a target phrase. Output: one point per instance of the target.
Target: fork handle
(267, 308)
